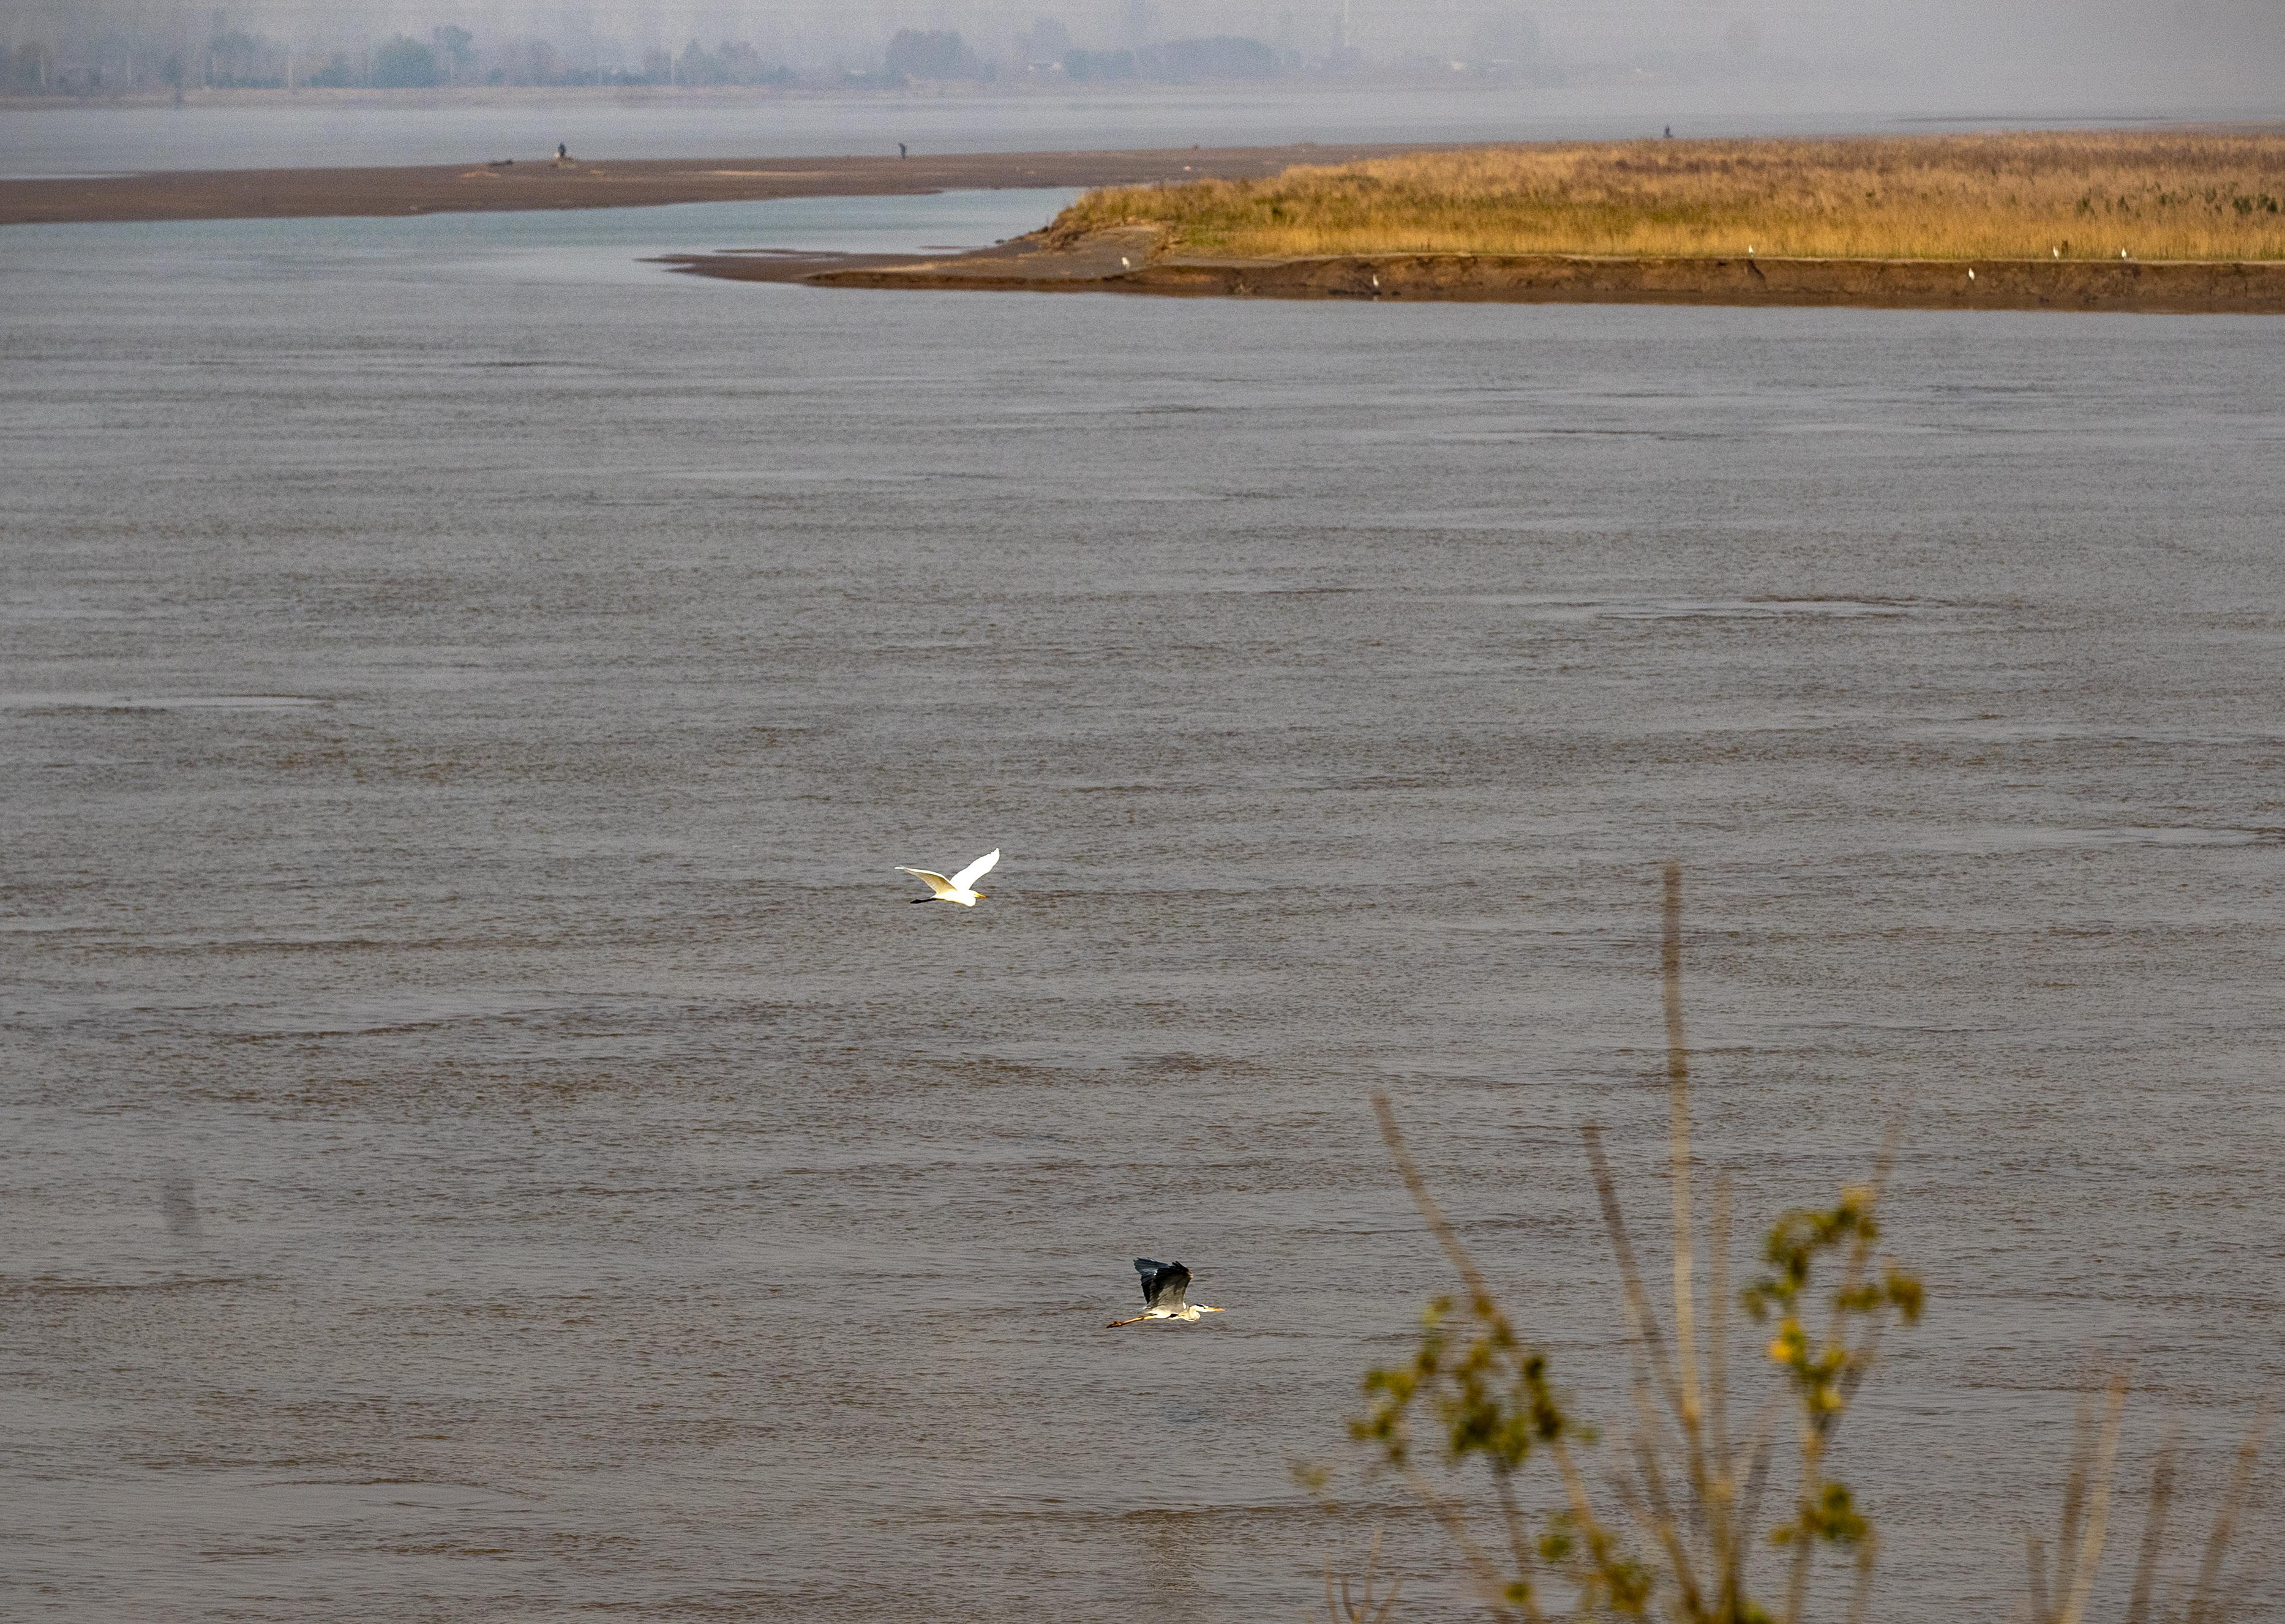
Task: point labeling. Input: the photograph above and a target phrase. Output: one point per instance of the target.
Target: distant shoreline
(1135, 260)
(492, 182)
(513, 98)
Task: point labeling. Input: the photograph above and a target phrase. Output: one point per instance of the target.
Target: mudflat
(574, 183)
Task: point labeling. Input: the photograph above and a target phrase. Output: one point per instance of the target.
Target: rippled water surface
(484, 1135)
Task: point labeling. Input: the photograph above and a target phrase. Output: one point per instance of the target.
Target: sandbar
(500, 183)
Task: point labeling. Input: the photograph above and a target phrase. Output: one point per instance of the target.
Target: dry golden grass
(2174, 196)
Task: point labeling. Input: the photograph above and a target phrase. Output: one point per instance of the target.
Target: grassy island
(2078, 195)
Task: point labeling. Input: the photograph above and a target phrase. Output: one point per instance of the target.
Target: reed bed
(2078, 195)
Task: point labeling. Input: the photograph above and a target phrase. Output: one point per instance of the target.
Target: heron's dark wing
(1146, 1267)
(1166, 1288)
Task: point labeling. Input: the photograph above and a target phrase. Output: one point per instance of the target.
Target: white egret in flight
(1164, 1286)
(959, 888)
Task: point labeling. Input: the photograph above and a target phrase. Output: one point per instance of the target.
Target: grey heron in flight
(960, 887)
(1164, 1287)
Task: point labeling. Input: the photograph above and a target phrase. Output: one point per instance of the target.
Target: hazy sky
(1951, 53)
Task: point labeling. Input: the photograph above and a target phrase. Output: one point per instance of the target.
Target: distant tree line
(731, 62)
(118, 60)
(1184, 62)
(25, 69)
(122, 62)
(935, 55)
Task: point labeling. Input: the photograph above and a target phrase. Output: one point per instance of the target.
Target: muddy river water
(483, 1134)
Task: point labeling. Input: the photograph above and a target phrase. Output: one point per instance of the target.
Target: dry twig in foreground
(1689, 1487)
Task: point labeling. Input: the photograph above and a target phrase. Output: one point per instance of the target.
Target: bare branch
(1816, 1433)
(1519, 1542)
(1638, 1300)
(1755, 1456)
(2083, 1426)
(1860, 1253)
(1677, 1083)
(1892, 1139)
(1860, 1361)
(1723, 1485)
(1663, 1524)
(1812, 1481)
(1439, 1224)
(1347, 1611)
(2154, 1528)
(2098, 1512)
(1717, 1327)
(1860, 1601)
(1645, 1319)
(1574, 1486)
(2227, 1605)
(2203, 1603)
(1480, 1290)
(1456, 1523)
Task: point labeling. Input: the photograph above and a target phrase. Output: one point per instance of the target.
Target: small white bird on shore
(961, 887)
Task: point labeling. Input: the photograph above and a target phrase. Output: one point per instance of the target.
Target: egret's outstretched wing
(937, 882)
(977, 870)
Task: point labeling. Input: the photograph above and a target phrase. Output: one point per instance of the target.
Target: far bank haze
(2046, 54)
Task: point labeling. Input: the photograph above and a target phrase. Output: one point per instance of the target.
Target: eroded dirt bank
(1124, 263)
